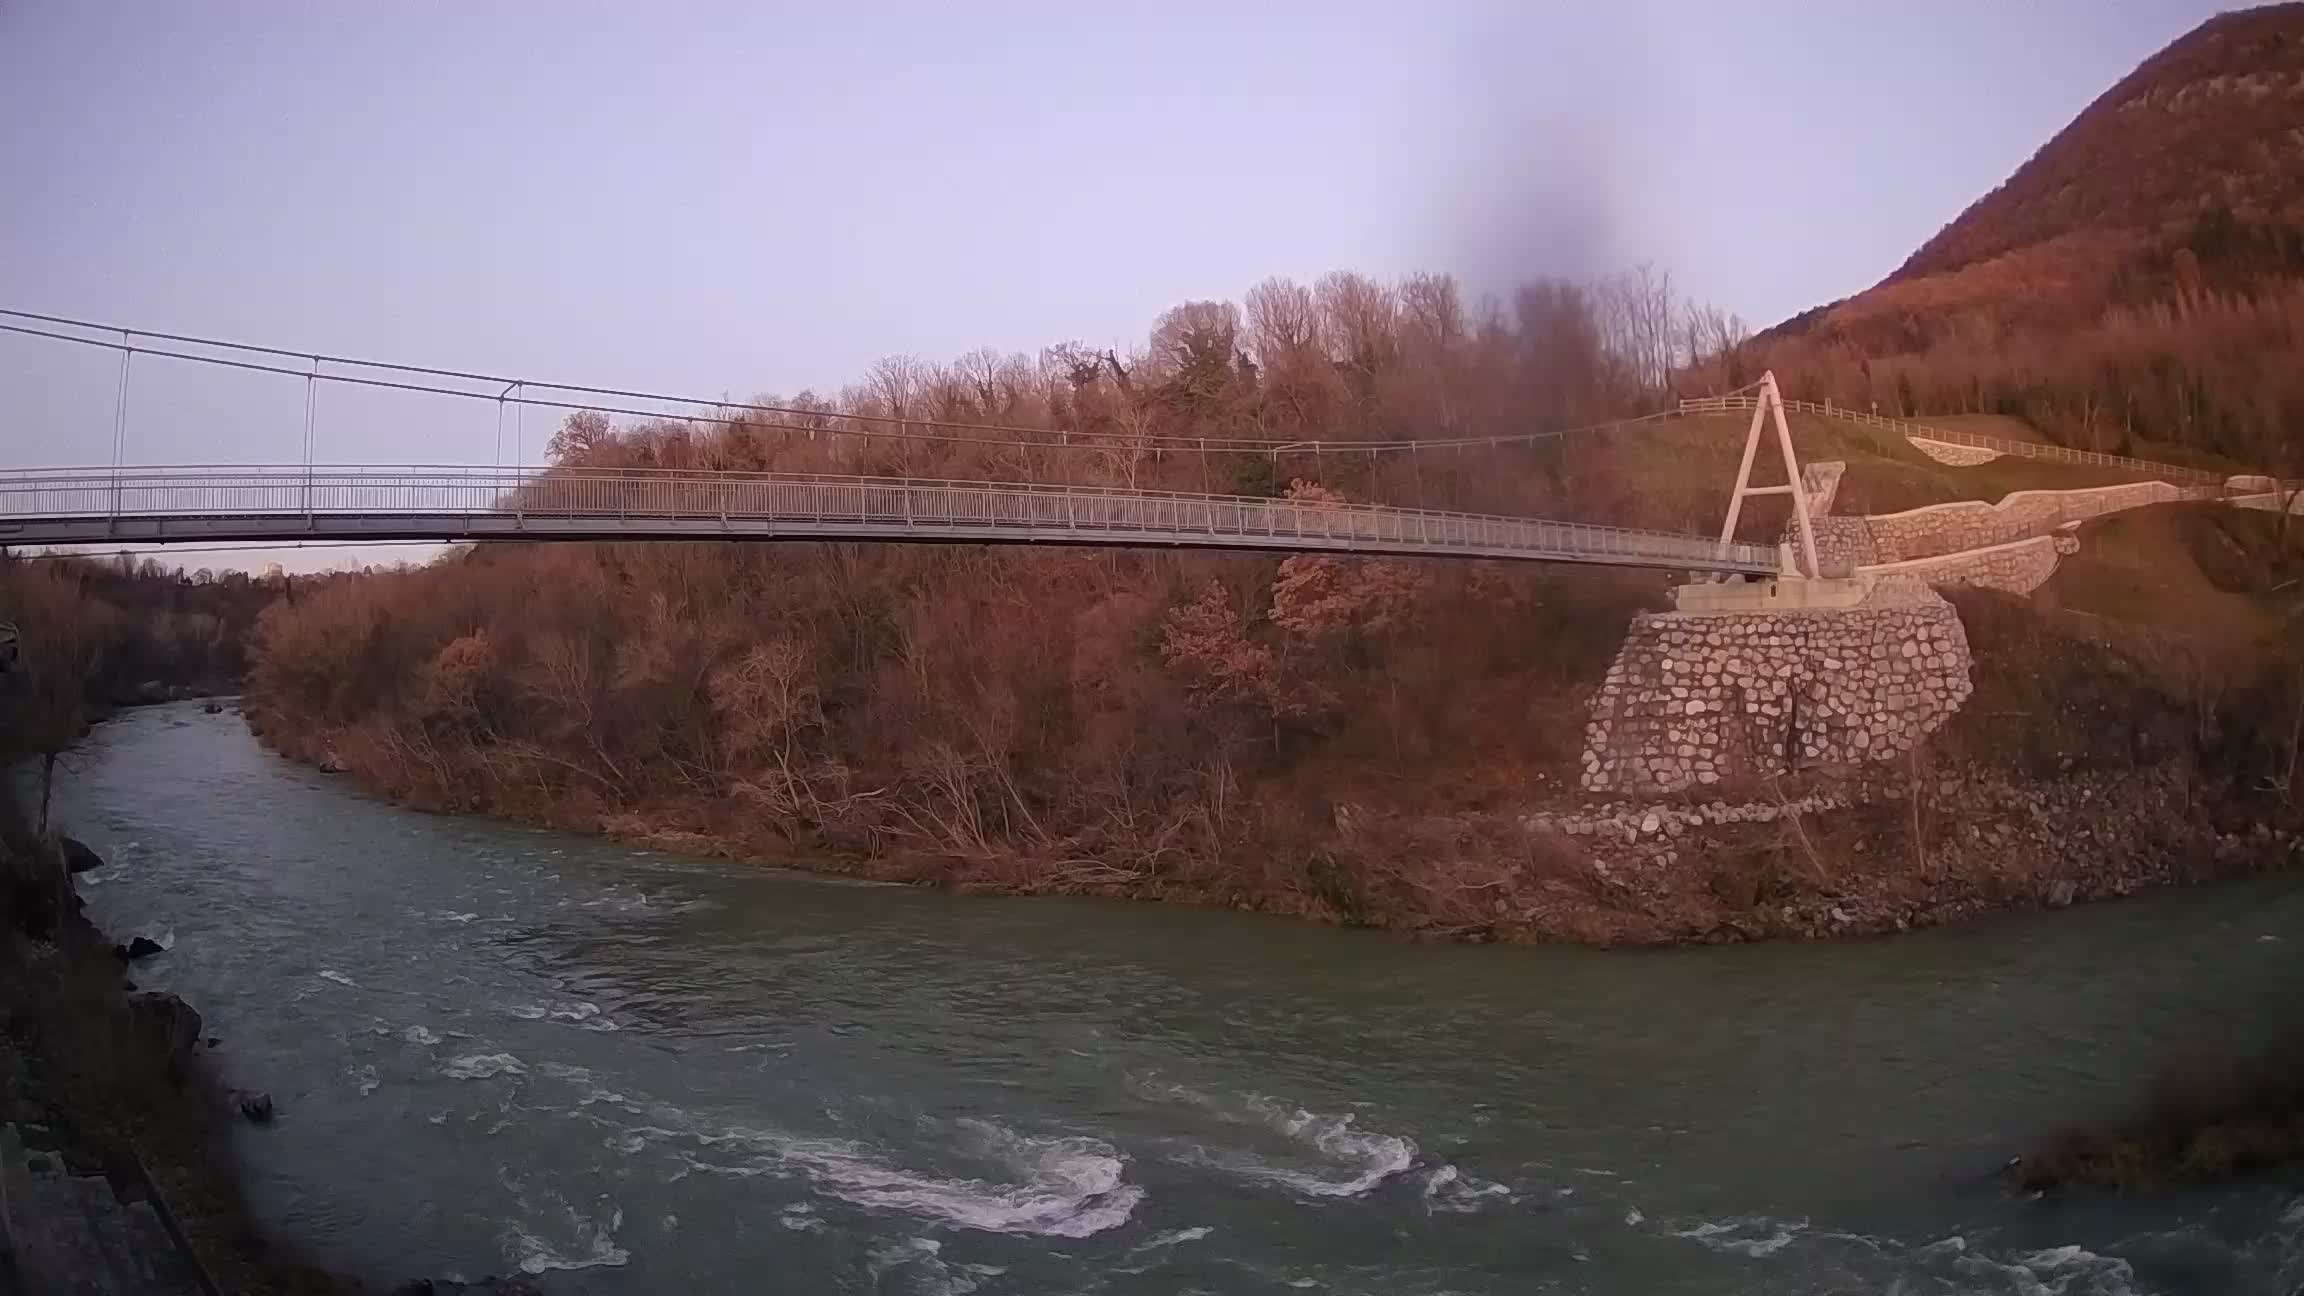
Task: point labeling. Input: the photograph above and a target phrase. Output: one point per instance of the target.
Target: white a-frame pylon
(1770, 403)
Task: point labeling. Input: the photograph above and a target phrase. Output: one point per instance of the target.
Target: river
(495, 1048)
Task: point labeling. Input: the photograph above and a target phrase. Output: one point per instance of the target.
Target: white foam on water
(576, 1241)
(919, 1265)
(1949, 1264)
(2056, 1271)
(331, 974)
(1174, 1237)
(1449, 1189)
(580, 1013)
(368, 1082)
(1750, 1235)
(1371, 1156)
(1633, 1217)
(1069, 1187)
(481, 1066)
(800, 1217)
(419, 1034)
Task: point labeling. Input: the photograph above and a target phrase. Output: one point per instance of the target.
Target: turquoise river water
(498, 1049)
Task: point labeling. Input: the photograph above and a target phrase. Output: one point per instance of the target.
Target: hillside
(2215, 120)
(2140, 279)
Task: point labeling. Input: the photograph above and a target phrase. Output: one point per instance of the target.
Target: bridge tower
(1767, 407)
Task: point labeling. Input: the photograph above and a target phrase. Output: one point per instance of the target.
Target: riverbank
(117, 1154)
(1848, 853)
(2210, 1119)
(1376, 744)
(548, 1049)
(101, 1080)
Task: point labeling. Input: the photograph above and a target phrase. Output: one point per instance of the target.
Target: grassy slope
(2208, 575)
(1688, 466)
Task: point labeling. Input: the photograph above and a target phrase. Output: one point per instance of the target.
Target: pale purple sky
(746, 198)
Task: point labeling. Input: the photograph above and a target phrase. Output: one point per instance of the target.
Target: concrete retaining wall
(1972, 524)
(2018, 567)
(1953, 453)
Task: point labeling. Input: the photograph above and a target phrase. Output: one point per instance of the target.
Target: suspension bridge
(127, 503)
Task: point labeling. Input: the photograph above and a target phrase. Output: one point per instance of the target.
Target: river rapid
(498, 1049)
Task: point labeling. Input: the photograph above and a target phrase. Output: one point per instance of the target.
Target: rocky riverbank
(2214, 1116)
(1892, 850)
(1846, 852)
(114, 1134)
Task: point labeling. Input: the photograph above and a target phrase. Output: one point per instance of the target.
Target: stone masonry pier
(1699, 699)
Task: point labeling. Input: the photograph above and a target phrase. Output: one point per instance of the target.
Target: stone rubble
(1631, 824)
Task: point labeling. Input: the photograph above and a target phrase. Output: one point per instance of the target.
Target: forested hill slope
(2141, 278)
(2214, 120)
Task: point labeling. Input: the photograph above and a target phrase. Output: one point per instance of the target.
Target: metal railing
(98, 505)
(1951, 436)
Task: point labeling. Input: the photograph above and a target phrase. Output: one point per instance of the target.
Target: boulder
(213, 708)
(77, 856)
(168, 1023)
(331, 763)
(256, 1106)
(142, 947)
(2061, 893)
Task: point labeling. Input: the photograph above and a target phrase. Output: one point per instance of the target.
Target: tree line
(1142, 721)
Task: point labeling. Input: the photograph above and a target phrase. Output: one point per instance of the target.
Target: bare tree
(62, 639)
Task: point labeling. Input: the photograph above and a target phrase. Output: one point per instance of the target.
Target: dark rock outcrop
(142, 947)
(77, 856)
(172, 1024)
(256, 1106)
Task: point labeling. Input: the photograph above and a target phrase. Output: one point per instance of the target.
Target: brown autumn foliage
(2213, 115)
(1133, 721)
(91, 634)
(2211, 1117)
(2139, 280)
(1310, 734)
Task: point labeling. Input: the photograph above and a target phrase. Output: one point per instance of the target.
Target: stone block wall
(2273, 501)
(1953, 453)
(1820, 482)
(2016, 568)
(1843, 544)
(1695, 700)
(1972, 524)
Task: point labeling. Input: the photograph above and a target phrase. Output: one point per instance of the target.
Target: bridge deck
(188, 504)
